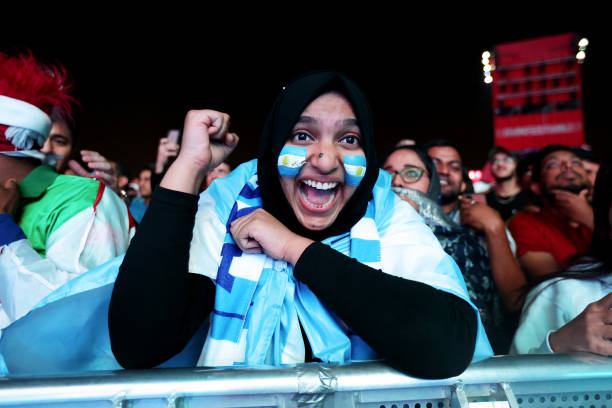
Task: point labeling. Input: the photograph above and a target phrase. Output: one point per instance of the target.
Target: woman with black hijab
(302, 255)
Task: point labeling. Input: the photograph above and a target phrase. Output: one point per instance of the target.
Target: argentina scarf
(259, 305)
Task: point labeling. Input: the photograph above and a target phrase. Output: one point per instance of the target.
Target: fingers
(608, 318)
(10, 184)
(468, 205)
(222, 149)
(95, 161)
(216, 123)
(605, 302)
(600, 342)
(242, 235)
(567, 196)
(106, 178)
(102, 166)
(231, 141)
(92, 155)
(168, 147)
(252, 247)
(217, 129)
(78, 169)
(9, 195)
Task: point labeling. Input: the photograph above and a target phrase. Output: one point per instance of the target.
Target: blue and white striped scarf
(258, 301)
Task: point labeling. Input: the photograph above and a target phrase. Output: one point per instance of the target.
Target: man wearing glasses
(506, 197)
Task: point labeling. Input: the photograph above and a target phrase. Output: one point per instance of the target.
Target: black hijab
(434, 189)
(287, 108)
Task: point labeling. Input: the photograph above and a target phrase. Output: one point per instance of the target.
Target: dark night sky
(422, 82)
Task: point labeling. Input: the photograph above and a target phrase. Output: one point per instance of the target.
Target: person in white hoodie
(570, 311)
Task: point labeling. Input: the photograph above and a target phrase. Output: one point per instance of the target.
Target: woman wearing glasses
(488, 265)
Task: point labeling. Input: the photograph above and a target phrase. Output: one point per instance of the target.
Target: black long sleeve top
(157, 305)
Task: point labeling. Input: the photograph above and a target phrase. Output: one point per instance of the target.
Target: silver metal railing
(576, 380)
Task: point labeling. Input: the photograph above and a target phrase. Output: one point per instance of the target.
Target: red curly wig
(45, 86)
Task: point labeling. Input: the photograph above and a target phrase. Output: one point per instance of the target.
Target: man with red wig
(52, 227)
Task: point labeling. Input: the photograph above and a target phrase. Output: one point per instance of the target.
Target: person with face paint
(304, 254)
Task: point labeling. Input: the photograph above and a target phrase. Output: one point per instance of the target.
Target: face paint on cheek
(290, 161)
(355, 168)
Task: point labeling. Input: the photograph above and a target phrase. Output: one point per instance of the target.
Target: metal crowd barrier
(558, 381)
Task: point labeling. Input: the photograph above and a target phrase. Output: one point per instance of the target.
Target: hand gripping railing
(577, 380)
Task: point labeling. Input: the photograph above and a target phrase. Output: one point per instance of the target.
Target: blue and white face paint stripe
(355, 168)
(290, 161)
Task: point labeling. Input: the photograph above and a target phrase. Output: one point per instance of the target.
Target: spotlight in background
(488, 66)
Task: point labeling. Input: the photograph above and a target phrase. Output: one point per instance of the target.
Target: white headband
(17, 113)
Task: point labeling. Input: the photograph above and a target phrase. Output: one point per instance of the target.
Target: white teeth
(320, 186)
(332, 195)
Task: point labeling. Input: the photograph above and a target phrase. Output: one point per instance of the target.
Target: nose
(565, 165)
(46, 147)
(324, 157)
(396, 181)
(442, 169)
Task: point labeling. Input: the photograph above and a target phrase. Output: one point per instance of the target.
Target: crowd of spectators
(531, 255)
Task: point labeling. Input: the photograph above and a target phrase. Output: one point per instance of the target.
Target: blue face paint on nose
(290, 161)
(355, 168)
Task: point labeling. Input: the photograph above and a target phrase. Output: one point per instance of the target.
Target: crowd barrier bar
(579, 380)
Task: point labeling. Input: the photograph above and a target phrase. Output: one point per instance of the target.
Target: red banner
(537, 93)
(538, 130)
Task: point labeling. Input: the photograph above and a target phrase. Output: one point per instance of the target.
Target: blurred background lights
(475, 175)
(487, 67)
(581, 55)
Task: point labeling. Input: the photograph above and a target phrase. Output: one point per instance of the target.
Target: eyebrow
(557, 158)
(306, 119)
(310, 119)
(448, 162)
(350, 122)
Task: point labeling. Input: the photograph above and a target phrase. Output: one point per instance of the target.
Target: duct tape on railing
(530, 377)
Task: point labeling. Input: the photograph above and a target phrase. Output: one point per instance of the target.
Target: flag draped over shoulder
(68, 330)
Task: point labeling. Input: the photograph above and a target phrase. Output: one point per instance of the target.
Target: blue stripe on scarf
(250, 202)
(226, 328)
(242, 213)
(365, 250)
(228, 252)
(229, 249)
(225, 314)
(230, 310)
(248, 193)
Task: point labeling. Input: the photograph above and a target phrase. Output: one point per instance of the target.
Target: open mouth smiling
(317, 196)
